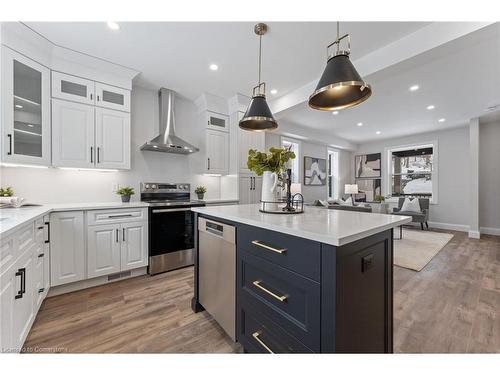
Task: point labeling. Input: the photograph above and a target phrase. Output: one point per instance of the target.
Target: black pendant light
(258, 116)
(340, 86)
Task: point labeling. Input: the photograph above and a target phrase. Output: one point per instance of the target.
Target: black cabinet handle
(41, 290)
(98, 154)
(41, 255)
(123, 234)
(48, 232)
(208, 163)
(20, 272)
(98, 98)
(10, 144)
(91, 154)
(116, 234)
(91, 96)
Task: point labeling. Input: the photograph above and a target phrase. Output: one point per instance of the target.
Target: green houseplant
(383, 207)
(379, 198)
(6, 192)
(271, 166)
(200, 191)
(125, 192)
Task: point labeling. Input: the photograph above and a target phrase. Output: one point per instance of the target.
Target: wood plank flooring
(452, 305)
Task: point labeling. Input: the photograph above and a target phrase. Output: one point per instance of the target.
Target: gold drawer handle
(267, 247)
(255, 335)
(279, 298)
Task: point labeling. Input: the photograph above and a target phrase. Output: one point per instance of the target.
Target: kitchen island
(316, 282)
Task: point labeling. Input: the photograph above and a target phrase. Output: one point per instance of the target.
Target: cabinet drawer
(258, 334)
(294, 253)
(7, 252)
(122, 215)
(40, 231)
(68, 87)
(286, 297)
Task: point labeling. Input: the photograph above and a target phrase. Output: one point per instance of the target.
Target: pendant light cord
(338, 36)
(260, 56)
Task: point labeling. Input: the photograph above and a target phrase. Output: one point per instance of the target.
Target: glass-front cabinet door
(25, 110)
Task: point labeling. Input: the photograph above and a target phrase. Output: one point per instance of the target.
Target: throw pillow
(411, 205)
(347, 202)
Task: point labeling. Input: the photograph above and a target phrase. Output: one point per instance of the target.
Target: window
(294, 163)
(333, 174)
(412, 171)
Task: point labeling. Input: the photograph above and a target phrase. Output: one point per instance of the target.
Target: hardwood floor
(140, 315)
(452, 305)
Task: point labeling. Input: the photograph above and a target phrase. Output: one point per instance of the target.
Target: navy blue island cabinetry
(297, 295)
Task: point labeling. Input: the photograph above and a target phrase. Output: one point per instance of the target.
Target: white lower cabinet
(134, 247)
(67, 240)
(103, 250)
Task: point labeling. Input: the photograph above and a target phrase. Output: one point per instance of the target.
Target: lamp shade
(351, 189)
(258, 116)
(340, 86)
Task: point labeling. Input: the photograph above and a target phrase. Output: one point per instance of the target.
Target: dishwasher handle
(224, 231)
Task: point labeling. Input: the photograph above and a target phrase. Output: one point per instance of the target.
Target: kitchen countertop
(12, 218)
(332, 227)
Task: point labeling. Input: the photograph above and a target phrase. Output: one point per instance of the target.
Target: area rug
(418, 247)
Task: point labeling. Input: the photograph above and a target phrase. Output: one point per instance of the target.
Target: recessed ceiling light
(430, 107)
(335, 113)
(274, 91)
(214, 67)
(113, 25)
(414, 88)
(441, 120)
(19, 106)
(378, 132)
(360, 124)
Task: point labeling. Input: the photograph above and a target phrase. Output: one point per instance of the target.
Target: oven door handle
(157, 211)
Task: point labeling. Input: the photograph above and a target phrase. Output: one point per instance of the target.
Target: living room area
(426, 146)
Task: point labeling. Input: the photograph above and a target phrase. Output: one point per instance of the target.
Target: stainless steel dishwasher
(217, 272)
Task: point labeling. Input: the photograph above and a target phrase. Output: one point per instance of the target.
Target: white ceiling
(461, 79)
(177, 54)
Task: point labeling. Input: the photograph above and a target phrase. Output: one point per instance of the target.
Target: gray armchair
(417, 217)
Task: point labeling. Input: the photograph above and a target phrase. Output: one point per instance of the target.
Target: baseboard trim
(89, 283)
(474, 234)
(448, 226)
(490, 231)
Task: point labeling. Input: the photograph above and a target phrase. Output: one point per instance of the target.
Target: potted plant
(200, 191)
(382, 207)
(6, 192)
(126, 192)
(271, 166)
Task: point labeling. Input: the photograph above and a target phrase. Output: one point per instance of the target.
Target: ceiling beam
(420, 41)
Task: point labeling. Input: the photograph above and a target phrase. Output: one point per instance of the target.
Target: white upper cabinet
(72, 134)
(76, 89)
(112, 97)
(112, 139)
(248, 140)
(217, 121)
(217, 155)
(25, 110)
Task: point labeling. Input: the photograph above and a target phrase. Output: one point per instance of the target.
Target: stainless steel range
(171, 225)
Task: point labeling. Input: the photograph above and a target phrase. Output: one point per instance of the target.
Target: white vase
(269, 184)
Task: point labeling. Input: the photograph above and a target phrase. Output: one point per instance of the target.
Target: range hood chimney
(167, 141)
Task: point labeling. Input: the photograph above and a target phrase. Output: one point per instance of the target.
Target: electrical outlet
(114, 187)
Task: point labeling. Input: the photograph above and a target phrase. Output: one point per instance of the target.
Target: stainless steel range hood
(167, 141)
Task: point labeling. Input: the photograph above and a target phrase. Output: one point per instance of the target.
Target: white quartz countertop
(334, 227)
(12, 218)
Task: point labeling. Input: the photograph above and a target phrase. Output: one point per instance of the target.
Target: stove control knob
(147, 186)
(153, 186)
(184, 187)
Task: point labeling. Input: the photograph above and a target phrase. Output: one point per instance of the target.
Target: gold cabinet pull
(255, 335)
(279, 298)
(267, 247)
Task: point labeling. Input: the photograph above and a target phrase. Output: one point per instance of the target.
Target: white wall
(317, 150)
(489, 177)
(58, 185)
(453, 166)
